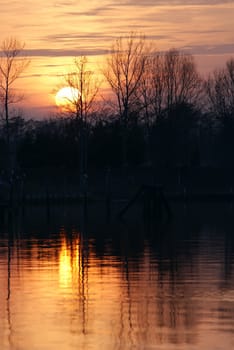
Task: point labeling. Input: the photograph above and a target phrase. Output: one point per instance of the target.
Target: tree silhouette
(81, 104)
(220, 92)
(12, 65)
(124, 69)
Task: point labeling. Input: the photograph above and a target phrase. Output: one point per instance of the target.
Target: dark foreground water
(65, 285)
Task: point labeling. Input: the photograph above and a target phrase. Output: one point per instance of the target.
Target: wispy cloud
(65, 53)
(64, 37)
(97, 11)
(54, 28)
(210, 49)
(173, 2)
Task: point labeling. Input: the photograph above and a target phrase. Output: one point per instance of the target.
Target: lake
(68, 284)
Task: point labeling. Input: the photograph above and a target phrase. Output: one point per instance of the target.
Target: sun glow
(66, 97)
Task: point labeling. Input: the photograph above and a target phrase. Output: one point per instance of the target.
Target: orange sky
(57, 31)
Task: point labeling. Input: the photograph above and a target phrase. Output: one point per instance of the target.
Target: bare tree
(150, 93)
(181, 79)
(170, 79)
(124, 69)
(81, 104)
(220, 91)
(157, 85)
(12, 65)
(83, 80)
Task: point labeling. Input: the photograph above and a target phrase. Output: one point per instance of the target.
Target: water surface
(65, 285)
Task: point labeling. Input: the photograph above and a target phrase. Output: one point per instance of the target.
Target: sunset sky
(57, 31)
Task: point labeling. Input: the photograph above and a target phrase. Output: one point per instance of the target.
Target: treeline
(160, 113)
(185, 137)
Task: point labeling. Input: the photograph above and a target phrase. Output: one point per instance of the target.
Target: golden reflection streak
(70, 262)
(65, 269)
(72, 273)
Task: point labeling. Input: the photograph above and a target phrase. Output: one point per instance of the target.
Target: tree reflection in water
(119, 288)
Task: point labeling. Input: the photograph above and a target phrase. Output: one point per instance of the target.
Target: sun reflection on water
(70, 261)
(69, 291)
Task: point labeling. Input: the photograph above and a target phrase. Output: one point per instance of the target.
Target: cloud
(64, 3)
(221, 49)
(70, 36)
(173, 2)
(96, 11)
(65, 53)
(193, 49)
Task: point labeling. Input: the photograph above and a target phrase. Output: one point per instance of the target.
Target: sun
(67, 97)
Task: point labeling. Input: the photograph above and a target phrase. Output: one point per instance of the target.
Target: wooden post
(154, 202)
(85, 196)
(157, 203)
(165, 204)
(132, 201)
(22, 194)
(47, 203)
(108, 194)
(147, 204)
